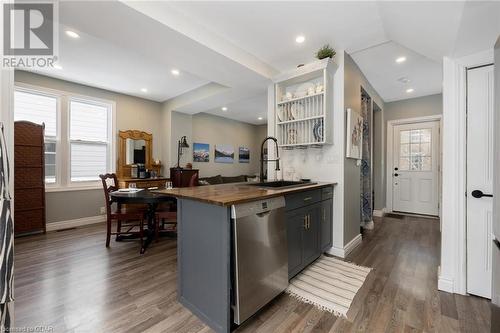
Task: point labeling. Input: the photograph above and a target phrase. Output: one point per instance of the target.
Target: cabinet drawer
(327, 193)
(301, 199)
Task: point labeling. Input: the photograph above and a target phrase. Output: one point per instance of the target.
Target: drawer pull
(307, 198)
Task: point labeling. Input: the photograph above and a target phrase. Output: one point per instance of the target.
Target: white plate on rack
(292, 136)
(318, 131)
(298, 111)
(281, 113)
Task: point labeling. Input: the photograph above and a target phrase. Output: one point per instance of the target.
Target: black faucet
(262, 160)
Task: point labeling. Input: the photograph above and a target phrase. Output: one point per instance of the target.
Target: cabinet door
(310, 239)
(326, 224)
(295, 227)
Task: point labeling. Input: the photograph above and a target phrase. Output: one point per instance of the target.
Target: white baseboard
(369, 225)
(445, 284)
(343, 252)
(379, 213)
(52, 226)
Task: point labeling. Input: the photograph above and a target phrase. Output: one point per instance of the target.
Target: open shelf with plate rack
(303, 106)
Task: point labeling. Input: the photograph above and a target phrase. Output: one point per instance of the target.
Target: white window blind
(40, 109)
(89, 140)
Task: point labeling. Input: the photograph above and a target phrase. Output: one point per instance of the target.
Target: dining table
(145, 197)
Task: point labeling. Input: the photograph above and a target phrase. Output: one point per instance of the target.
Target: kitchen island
(207, 243)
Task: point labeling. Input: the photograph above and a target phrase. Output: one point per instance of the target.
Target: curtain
(6, 240)
(366, 188)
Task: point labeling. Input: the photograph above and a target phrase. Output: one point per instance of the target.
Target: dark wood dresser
(29, 178)
(183, 177)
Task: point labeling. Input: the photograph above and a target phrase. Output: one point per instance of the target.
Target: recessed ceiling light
(144, 90)
(300, 39)
(260, 118)
(175, 72)
(410, 90)
(57, 66)
(72, 34)
(223, 108)
(404, 80)
(400, 60)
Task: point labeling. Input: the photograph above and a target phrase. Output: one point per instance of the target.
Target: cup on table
(132, 186)
(168, 185)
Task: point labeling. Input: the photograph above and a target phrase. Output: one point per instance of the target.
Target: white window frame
(63, 142)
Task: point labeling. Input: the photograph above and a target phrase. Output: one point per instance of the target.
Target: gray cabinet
(326, 224)
(309, 227)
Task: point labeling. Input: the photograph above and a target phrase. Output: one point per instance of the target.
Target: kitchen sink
(282, 183)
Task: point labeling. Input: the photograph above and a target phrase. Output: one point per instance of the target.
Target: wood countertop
(236, 193)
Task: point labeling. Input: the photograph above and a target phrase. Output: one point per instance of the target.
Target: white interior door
(479, 178)
(415, 166)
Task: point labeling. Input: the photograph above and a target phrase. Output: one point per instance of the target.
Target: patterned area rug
(329, 284)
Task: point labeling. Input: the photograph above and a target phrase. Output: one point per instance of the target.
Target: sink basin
(282, 183)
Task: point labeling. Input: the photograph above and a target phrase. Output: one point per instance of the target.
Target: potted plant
(325, 52)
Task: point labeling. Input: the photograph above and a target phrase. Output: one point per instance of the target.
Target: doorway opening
(413, 166)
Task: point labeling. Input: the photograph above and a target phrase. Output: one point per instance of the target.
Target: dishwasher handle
(263, 214)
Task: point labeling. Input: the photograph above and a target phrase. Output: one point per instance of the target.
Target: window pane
(37, 109)
(89, 122)
(426, 164)
(404, 150)
(425, 149)
(426, 135)
(88, 160)
(415, 136)
(40, 109)
(404, 136)
(50, 161)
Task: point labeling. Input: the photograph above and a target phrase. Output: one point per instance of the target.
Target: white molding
(60, 225)
(453, 209)
(379, 212)
(390, 159)
(348, 248)
(445, 284)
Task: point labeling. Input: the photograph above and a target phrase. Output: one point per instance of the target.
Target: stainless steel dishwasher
(260, 255)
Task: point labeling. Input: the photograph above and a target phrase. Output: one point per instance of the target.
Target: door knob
(480, 194)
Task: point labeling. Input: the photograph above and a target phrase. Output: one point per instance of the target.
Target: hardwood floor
(69, 281)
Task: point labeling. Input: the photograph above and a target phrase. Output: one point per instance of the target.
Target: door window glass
(415, 152)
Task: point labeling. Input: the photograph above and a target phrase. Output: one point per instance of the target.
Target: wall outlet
(102, 210)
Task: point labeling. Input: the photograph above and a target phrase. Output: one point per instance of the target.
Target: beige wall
(353, 81)
(206, 128)
(414, 107)
(131, 113)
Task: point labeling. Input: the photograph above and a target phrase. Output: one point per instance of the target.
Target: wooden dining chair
(166, 215)
(129, 218)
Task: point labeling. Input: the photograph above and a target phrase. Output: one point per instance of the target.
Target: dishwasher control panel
(256, 207)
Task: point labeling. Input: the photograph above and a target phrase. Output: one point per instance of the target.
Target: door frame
(389, 158)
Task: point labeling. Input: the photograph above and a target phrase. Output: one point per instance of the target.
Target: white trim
(445, 284)
(453, 221)
(379, 212)
(389, 149)
(348, 248)
(60, 225)
(73, 188)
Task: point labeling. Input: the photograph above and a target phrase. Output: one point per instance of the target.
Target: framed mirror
(134, 147)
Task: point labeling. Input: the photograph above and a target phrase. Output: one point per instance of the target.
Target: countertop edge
(271, 194)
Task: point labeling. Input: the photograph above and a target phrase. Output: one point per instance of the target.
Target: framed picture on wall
(354, 134)
(224, 153)
(201, 152)
(244, 155)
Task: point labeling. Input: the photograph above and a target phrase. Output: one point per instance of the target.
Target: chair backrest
(109, 184)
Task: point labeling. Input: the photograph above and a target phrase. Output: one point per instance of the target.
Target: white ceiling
(227, 51)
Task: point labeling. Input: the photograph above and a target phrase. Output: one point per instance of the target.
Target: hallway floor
(68, 280)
